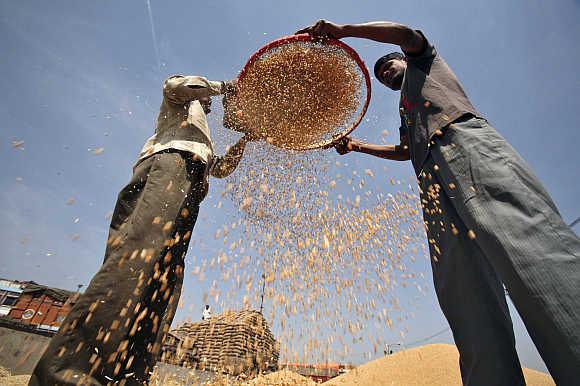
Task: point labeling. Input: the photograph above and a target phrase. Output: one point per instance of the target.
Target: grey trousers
(114, 331)
(489, 220)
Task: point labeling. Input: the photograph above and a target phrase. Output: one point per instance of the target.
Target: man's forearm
(385, 32)
(391, 152)
(230, 161)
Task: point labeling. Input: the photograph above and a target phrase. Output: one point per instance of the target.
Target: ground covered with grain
(434, 365)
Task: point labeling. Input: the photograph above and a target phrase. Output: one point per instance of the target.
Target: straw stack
(234, 343)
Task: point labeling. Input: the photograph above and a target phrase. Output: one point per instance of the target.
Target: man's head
(207, 306)
(205, 103)
(390, 70)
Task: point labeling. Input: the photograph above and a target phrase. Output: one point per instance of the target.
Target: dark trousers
(114, 331)
(489, 220)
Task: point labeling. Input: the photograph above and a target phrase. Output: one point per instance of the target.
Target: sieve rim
(335, 42)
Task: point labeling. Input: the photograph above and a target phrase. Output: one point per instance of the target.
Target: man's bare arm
(392, 152)
(398, 152)
(408, 39)
(224, 166)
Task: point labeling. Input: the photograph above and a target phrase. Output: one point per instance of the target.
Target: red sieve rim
(335, 42)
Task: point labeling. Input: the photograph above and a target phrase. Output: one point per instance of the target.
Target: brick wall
(40, 310)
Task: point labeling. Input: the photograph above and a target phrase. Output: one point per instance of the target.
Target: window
(10, 300)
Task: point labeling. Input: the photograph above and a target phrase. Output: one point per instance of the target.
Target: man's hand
(322, 30)
(229, 87)
(344, 145)
(224, 166)
(393, 152)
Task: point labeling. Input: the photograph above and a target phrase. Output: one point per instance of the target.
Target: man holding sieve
(115, 330)
(488, 218)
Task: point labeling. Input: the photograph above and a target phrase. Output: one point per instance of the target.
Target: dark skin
(205, 103)
(391, 73)
(232, 158)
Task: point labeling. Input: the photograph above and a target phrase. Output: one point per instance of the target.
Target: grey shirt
(431, 99)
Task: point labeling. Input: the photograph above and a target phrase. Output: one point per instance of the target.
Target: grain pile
(6, 379)
(281, 378)
(434, 365)
(301, 94)
(234, 343)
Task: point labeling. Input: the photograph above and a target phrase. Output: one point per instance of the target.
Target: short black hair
(385, 59)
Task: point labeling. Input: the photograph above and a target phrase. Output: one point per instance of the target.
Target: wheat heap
(300, 94)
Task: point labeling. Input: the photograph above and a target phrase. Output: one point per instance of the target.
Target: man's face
(205, 103)
(392, 73)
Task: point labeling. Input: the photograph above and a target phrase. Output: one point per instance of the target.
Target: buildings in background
(10, 291)
(235, 341)
(33, 305)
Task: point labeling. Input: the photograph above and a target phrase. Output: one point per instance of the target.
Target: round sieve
(301, 94)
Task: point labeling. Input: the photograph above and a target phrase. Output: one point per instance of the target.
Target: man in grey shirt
(488, 218)
(115, 330)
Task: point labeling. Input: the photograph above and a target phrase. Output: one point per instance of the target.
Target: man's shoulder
(423, 59)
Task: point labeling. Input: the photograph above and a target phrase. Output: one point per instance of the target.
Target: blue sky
(81, 76)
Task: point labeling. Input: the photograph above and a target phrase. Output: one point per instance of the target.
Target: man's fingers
(319, 38)
(304, 31)
(314, 34)
(320, 24)
(231, 86)
(328, 146)
(341, 145)
(340, 148)
(318, 31)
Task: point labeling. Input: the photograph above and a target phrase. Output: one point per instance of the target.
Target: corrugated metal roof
(55, 293)
(10, 289)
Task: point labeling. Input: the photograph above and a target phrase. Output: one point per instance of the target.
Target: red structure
(42, 307)
(320, 372)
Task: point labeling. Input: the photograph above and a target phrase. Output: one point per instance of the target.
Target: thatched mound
(234, 342)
